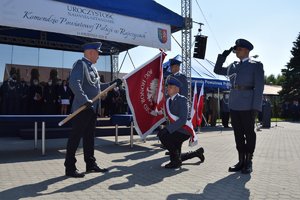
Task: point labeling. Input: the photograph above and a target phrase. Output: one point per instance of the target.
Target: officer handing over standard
(85, 84)
(245, 99)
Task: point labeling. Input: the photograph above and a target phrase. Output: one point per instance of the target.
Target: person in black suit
(225, 110)
(50, 98)
(175, 133)
(64, 95)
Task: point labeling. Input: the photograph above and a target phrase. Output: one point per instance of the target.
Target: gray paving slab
(138, 173)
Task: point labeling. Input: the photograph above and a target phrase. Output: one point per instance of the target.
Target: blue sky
(271, 25)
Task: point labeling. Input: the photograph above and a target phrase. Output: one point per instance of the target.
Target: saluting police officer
(85, 84)
(245, 100)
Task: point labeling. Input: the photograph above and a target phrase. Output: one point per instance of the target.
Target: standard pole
(84, 106)
(131, 134)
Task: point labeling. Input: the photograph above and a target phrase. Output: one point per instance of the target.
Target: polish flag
(194, 116)
(200, 105)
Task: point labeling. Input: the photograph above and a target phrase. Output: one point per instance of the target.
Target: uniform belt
(242, 87)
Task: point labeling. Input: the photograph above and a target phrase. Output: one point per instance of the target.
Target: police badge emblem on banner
(145, 96)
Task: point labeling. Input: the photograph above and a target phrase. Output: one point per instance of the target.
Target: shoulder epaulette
(254, 61)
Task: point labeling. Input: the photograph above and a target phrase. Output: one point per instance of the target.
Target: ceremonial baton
(84, 106)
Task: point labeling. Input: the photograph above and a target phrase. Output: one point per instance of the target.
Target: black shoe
(95, 169)
(74, 174)
(247, 169)
(237, 167)
(200, 154)
(173, 165)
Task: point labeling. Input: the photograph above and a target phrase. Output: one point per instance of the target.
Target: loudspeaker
(200, 46)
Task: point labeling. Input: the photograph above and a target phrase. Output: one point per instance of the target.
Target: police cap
(174, 62)
(174, 81)
(93, 45)
(243, 43)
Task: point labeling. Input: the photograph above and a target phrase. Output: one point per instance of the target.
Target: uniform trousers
(173, 141)
(225, 118)
(83, 126)
(243, 127)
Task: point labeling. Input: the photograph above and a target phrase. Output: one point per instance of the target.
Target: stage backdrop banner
(145, 95)
(53, 16)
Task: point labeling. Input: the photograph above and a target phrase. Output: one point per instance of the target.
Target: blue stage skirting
(15, 125)
(23, 126)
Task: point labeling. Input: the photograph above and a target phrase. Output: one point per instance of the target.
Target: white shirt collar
(173, 97)
(245, 59)
(177, 73)
(88, 60)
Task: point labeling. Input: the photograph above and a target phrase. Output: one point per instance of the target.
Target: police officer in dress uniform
(175, 67)
(85, 84)
(245, 100)
(173, 135)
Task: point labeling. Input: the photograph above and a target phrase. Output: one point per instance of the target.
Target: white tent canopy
(202, 71)
(272, 89)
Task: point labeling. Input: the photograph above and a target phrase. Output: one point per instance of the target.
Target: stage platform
(23, 126)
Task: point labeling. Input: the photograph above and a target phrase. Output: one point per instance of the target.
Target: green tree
(280, 79)
(291, 74)
(270, 80)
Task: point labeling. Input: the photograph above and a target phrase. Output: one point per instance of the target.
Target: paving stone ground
(138, 173)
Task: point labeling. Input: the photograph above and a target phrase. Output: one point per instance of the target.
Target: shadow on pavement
(135, 153)
(230, 187)
(144, 173)
(30, 190)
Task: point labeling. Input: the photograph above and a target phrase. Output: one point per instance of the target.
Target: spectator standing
(213, 108)
(295, 110)
(225, 110)
(65, 95)
(36, 97)
(50, 98)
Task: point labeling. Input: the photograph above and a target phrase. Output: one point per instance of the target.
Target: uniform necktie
(170, 103)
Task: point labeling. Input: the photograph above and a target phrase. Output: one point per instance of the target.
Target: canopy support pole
(186, 33)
